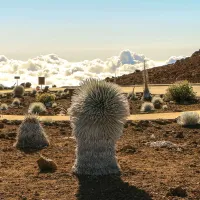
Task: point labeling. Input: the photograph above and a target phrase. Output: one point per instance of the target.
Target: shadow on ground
(108, 188)
(196, 126)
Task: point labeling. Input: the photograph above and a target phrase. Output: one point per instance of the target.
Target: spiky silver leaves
(98, 112)
(31, 134)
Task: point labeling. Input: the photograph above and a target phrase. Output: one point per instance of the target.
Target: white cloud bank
(60, 72)
(173, 59)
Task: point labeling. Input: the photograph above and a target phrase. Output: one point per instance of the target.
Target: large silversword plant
(98, 112)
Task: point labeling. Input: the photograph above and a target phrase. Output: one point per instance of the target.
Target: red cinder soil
(147, 172)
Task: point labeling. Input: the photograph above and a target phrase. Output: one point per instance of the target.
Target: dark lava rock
(12, 134)
(156, 126)
(64, 125)
(128, 121)
(48, 123)
(1, 125)
(133, 124)
(161, 121)
(4, 121)
(46, 164)
(2, 135)
(143, 123)
(168, 131)
(178, 191)
(63, 131)
(16, 122)
(57, 109)
(165, 135)
(9, 122)
(126, 125)
(195, 131)
(178, 110)
(128, 149)
(179, 135)
(157, 105)
(137, 129)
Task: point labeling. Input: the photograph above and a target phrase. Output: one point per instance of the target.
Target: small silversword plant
(147, 107)
(188, 119)
(31, 134)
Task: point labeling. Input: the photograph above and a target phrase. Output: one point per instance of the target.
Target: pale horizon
(71, 55)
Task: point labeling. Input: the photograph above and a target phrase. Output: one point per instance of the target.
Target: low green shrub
(46, 98)
(180, 92)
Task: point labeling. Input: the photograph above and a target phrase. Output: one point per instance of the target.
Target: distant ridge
(184, 69)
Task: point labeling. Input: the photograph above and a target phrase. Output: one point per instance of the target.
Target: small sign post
(41, 81)
(17, 78)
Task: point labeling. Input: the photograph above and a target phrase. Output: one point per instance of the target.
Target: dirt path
(154, 89)
(152, 116)
(42, 118)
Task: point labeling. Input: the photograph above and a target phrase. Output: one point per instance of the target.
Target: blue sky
(82, 29)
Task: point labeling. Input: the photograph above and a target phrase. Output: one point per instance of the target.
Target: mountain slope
(185, 69)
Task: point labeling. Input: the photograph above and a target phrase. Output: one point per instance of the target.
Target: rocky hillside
(185, 69)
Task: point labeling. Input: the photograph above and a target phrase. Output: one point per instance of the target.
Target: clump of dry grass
(147, 107)
(164, 107)
(188, 119)
(98, 112)
(16, 102)
(37, 108)
(54, 105)
(31, 134)
(4, 106)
